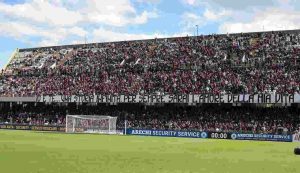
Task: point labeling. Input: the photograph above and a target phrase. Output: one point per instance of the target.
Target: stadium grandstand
(149, 86)
(242, 83)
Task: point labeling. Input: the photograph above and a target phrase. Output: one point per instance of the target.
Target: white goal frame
(91, 124)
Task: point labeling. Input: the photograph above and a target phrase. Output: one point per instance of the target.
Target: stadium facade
(233, 84)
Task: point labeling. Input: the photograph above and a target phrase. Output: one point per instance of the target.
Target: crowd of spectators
(31, 118)
(234, 63)
(32, 115)
(215, 119)
(270, 121)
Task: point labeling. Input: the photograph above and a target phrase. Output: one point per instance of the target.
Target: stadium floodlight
(91, 124)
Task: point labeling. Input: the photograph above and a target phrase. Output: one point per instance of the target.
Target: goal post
(91, 124)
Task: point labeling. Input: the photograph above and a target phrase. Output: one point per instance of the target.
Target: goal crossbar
(91, 124)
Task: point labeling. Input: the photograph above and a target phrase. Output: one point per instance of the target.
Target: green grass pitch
(37, 152)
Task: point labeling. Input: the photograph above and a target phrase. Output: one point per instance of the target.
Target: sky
(35, 23)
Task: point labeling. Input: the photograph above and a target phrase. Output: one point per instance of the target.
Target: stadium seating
(238, 63)
(205, 118)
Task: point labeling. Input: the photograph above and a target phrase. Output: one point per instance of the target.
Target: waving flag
(244, 58)
(123, 62)
(137, 61)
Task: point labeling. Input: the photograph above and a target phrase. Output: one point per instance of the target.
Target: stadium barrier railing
(170, 133)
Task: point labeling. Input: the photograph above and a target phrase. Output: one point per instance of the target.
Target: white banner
(296, 137)
(201, 98)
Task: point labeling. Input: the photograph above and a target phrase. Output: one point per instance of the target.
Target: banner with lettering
(296, 137)
(167, 133)
(212, 135)
(185, 98)
(261, 137)
(33, 127)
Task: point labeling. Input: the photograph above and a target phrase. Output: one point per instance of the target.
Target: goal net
(91, 124)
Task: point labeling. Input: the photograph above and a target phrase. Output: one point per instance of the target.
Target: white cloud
(115, 13)
(78, 31)
(48, 42)
(64, 2)
(190, 2)
(48, 36)
(50, 22)
(190, 20)
(17, 30)
(108, 35)
(244, 16)
(270, 19)
(57, 12)
(232, 4)
(42, 12)
(25, 32)
(191, 16)
(213, 16)
(148, 1)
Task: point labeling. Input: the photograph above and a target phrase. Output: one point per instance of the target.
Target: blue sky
(34, 23)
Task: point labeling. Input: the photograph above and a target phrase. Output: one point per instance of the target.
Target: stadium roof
(96, 44)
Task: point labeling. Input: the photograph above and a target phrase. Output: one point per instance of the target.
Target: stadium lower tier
(222, 118)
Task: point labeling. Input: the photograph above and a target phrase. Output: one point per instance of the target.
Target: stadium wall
(211, 135)
(33, 127)
(171, 133)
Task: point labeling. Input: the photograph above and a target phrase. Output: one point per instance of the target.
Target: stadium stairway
(13, 56)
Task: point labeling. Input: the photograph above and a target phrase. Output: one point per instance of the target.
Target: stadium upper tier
(234, 63)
